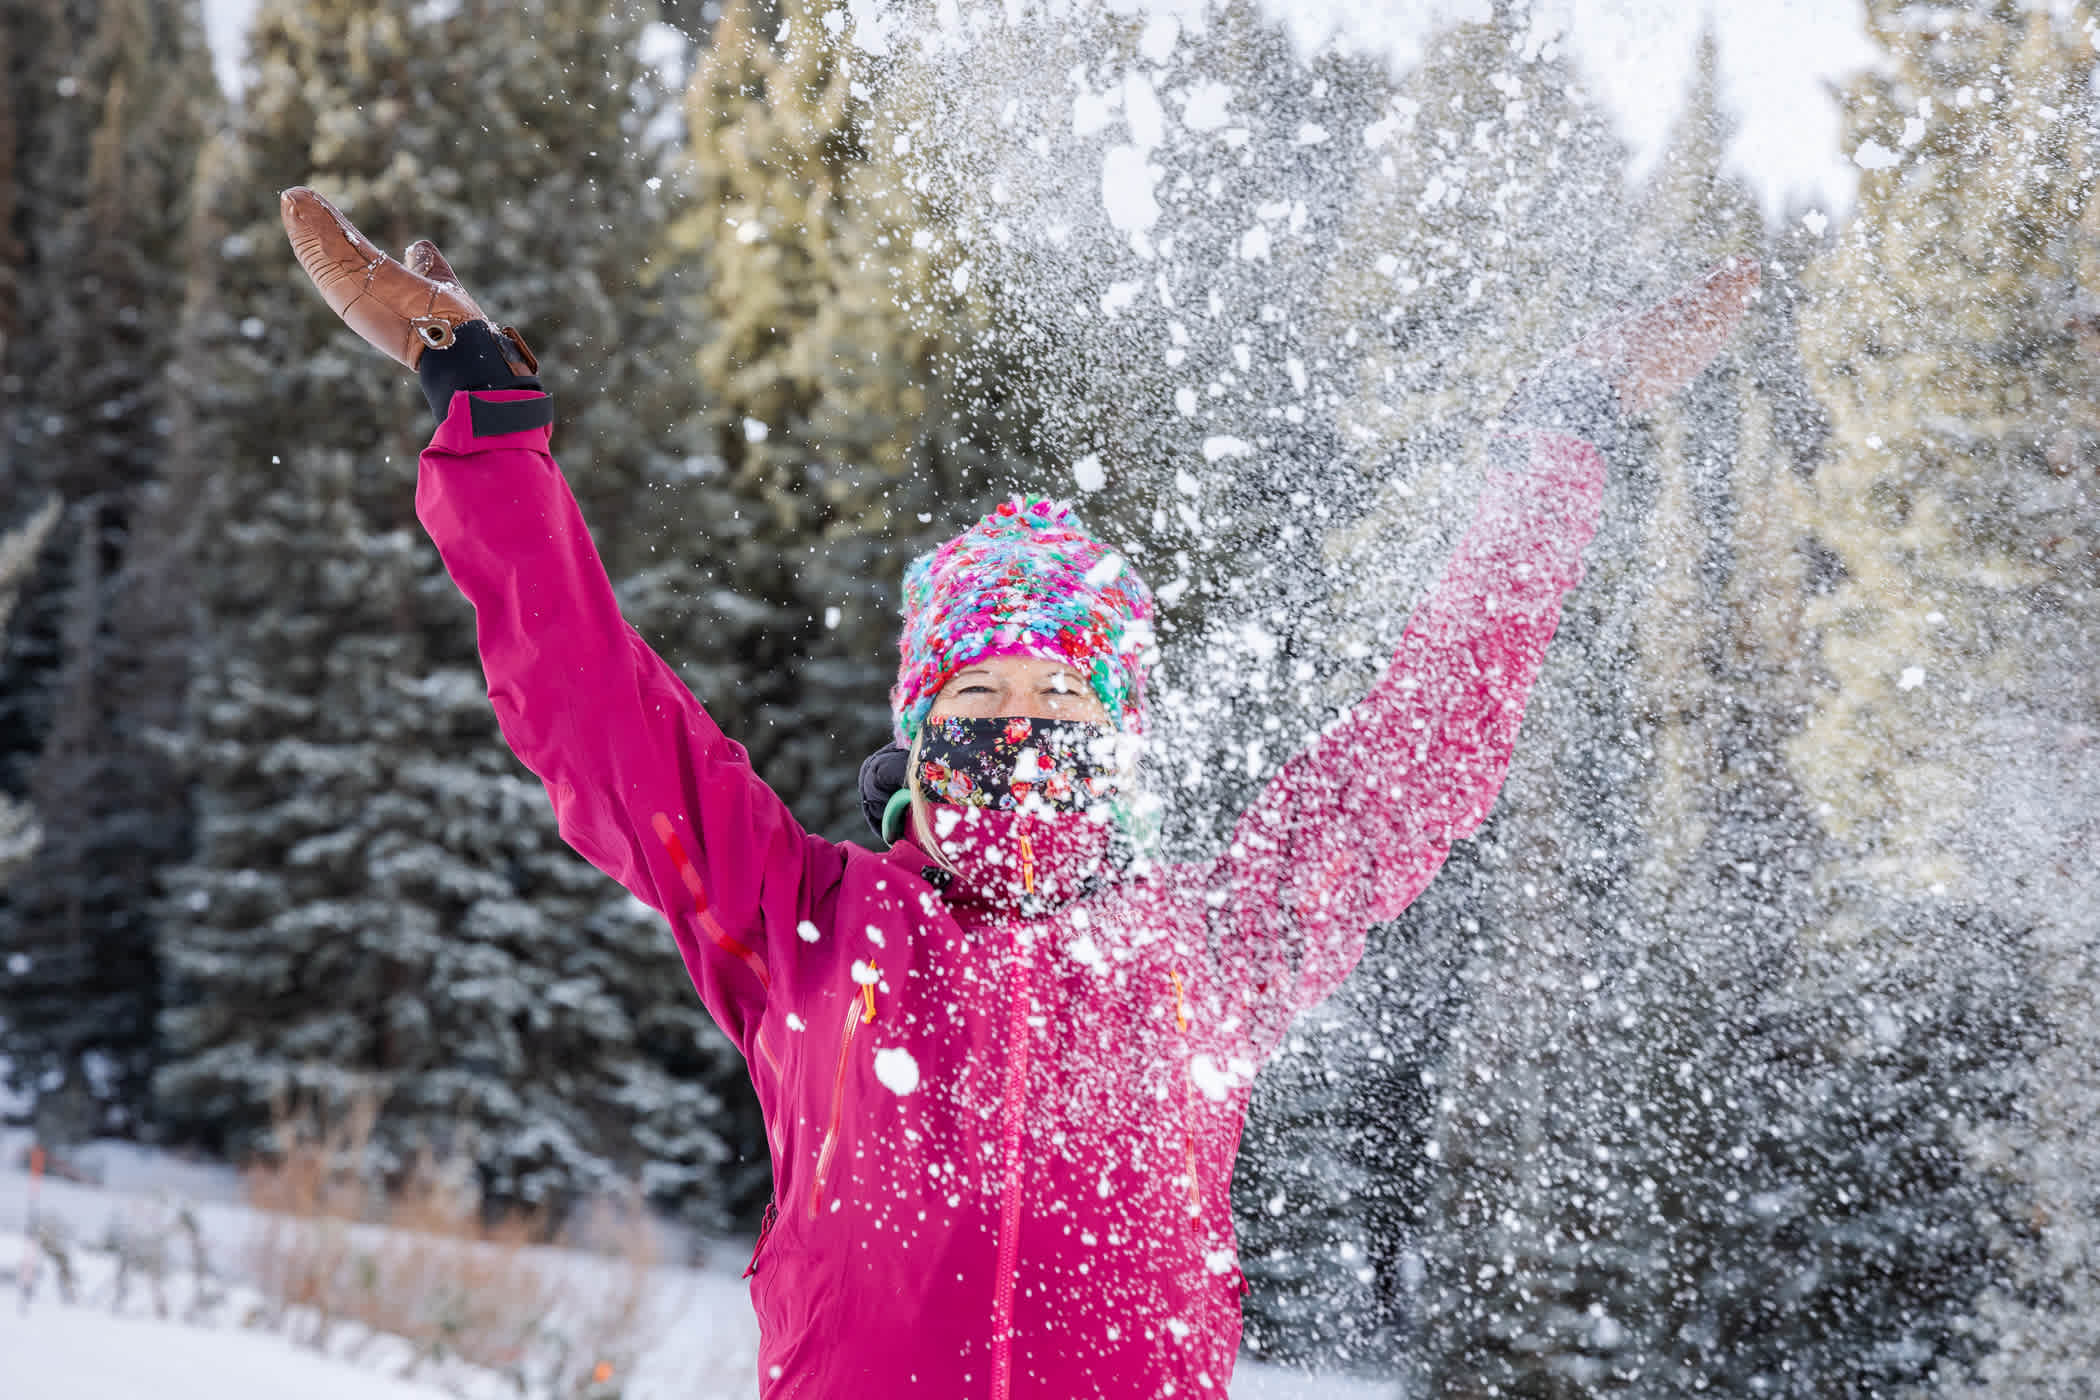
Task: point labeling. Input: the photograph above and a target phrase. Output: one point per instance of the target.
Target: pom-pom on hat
(1025, 580)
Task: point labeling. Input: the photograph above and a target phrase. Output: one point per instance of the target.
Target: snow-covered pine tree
(19, 833)
(1956, 517)
(379, 899)
(848, 397)
(1667, 1162)
(1949, 337)
(1456, 267)
(108, 105)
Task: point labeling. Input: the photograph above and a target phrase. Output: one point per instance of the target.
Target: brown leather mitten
(1653, 353)
(401, 310)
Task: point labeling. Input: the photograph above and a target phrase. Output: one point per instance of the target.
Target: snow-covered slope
(82, 1353)
(112, 1343)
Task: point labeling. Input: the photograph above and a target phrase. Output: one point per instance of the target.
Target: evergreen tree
(1459, 268)
(848, 399)
(34, 38)
(1701, 1120)
(1949, 753)
(19, 833)
(380, 901)
(1963, 551)
(1621, 1120)
(120, 95)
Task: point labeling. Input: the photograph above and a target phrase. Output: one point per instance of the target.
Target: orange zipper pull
(1027, 865)
(867, 997)
(1181, 1012)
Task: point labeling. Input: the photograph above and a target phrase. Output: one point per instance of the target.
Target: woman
(1005, 1063)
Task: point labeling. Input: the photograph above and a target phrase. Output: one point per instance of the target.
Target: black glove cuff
(884, 774)
(1570, 396)
(474, 360)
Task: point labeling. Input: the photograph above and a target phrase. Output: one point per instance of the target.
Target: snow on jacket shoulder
(1002, 1136)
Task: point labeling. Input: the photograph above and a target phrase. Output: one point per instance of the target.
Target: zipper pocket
(765, 1232)
(858, 1010)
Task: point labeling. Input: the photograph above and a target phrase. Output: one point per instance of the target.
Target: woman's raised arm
(1351, 830)
(644, 785)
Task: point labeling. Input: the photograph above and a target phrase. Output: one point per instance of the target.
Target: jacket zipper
(1010, 1152)
(861, 1008)
(1188, 1103)
(1188, 1128)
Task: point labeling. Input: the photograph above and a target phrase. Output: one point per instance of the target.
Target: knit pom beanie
(1026, 580)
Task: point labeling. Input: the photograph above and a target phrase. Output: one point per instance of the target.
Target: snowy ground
(54, 1350)
(704, 1343)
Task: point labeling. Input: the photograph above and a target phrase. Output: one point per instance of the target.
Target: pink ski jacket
(1002, 1131)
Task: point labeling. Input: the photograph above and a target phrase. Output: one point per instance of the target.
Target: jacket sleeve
(644, 785)
(1350, 830)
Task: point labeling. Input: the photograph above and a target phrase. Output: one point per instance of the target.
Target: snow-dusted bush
(427, 1264)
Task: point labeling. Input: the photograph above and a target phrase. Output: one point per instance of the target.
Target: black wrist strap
(493, 417)
(475, 360)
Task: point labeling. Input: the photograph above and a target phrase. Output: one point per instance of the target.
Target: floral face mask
(1002, 763)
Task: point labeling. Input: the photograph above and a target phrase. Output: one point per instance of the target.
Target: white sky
(1778, 63)
(226, 26)
(1779, 59)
